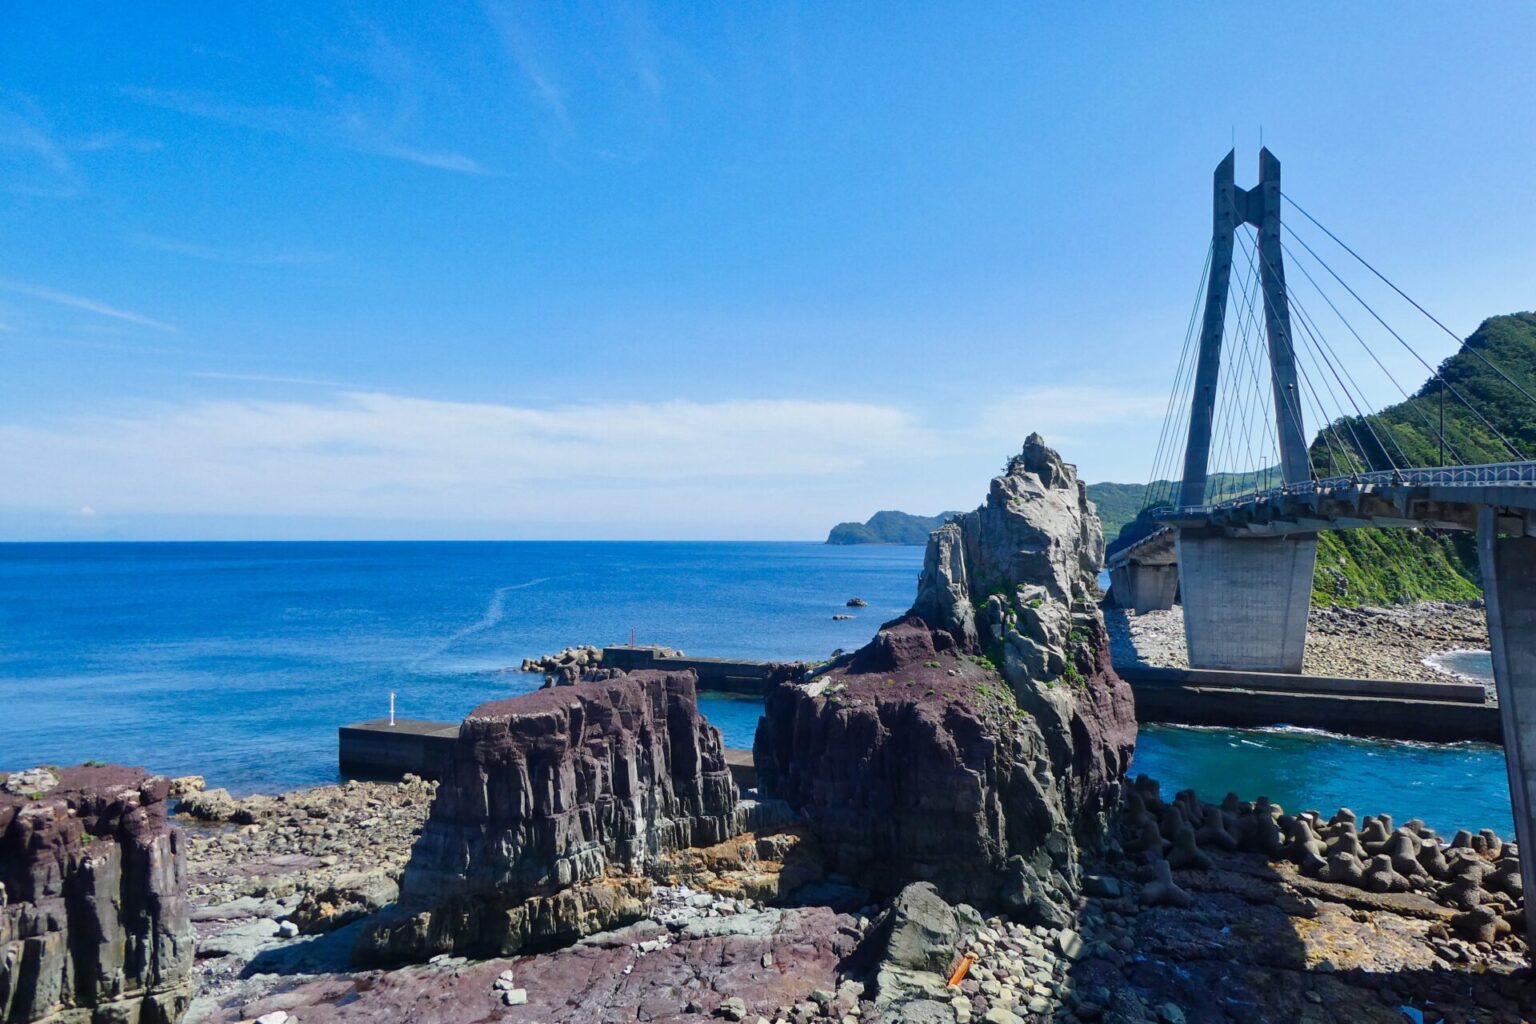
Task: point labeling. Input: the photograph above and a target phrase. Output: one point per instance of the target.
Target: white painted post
(391, 708)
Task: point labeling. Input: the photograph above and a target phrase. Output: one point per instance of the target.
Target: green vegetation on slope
(1384, 567)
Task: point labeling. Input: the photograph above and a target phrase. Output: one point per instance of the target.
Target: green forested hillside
(1376, 567)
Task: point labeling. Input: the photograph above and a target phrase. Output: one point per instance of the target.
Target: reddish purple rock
(978, 742)
(93, 916)
(552, 809)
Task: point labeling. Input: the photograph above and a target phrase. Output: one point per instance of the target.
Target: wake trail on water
(495, 611)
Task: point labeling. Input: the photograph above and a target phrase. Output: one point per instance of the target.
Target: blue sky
(684, 270)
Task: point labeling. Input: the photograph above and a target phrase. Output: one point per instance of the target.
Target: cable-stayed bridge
(1237, 494)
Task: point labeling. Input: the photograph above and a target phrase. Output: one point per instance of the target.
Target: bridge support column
(1144, 588)
(1246, 599)
(1509, 586)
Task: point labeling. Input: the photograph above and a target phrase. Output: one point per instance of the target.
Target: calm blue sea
(238, 660)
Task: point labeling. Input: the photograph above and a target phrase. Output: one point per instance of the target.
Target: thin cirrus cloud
(378, 455)
(89, 305)
(225, 254)
(350, 131)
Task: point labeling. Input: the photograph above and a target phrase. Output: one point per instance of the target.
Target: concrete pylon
(1246, 599)
(1232, 206)
(1508, 559)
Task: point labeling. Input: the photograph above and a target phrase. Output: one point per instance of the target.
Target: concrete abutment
(1144, 588)
(1246, 599)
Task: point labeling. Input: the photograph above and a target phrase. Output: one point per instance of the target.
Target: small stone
(275, 1017)
(998, 1015)
(515, 996)
(734, 1008)
(767, 959)
(287, 930)
(1172, 1013)
(1069, 943)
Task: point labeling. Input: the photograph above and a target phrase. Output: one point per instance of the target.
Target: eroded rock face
(94, 923)
(555, 805)
(980, 740)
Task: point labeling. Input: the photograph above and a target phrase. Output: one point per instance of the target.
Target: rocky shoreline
(1366, 643)
(944, 831)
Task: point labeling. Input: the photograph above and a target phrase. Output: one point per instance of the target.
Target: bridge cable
(1319, 360)
(1434, 432)
(1294, 402)
(1236, 330)
(1335, 364)
(1460, 342)
(1433, 371)
(1310, 325)
(1148, 497)
(1248, 360)
(1264, 393)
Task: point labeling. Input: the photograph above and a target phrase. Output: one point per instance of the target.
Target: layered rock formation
(94, 922)
(978, 741)
(552, 810)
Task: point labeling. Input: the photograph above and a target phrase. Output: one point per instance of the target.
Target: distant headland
(889, 528)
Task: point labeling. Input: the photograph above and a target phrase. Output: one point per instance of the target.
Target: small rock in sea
(1172, 1013)
(857, 602)
(840, 617)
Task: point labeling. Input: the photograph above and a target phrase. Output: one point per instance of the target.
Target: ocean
(237, 661)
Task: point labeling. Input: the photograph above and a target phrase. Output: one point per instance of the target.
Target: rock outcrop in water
(94, 922)
(553, 808)
(978, 741)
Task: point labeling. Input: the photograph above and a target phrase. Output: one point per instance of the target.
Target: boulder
(977, 741)
(550, 812)
(347, 898)
(94, 920)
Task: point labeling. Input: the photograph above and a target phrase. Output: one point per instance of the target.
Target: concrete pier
(1438, 712)
(1508, 561)
(1246, 599)
(1144, 588)
(722, 675)
(378, 750)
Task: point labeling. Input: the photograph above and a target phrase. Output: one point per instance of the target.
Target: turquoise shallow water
(1450, 786)
(238, 661)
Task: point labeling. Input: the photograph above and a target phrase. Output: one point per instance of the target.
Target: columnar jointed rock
(552, 809)
(913, 759)
(94, 922)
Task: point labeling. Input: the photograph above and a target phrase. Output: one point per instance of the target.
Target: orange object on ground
(962, 970)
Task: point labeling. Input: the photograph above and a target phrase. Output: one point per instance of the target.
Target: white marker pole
(391, 708)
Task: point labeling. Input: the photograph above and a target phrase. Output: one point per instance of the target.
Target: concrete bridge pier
(1246, 599)
(1508, 558)
(1144, 588)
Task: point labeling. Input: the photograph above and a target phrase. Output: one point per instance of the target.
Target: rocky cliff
(977, 742)
(94, 923)
(553, 808)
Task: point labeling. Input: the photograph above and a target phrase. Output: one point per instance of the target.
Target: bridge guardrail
(1492, 474)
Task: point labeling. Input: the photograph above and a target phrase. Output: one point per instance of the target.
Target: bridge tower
(1246, 600)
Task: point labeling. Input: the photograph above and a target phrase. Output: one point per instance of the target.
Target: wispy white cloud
(348, 130)
(96, 306)
(519, 47)
(386, 456)
(243, 256)
(263, 378)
